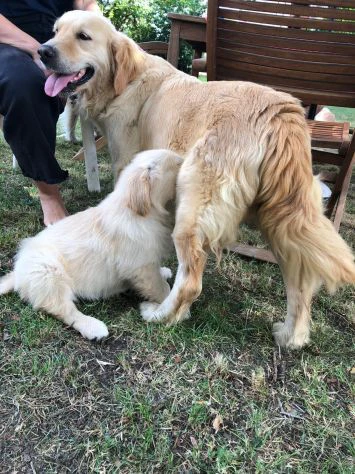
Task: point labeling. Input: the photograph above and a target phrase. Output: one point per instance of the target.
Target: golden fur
(245, 147)
(103, 250)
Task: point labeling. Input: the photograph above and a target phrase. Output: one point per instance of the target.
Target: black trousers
(30, 116)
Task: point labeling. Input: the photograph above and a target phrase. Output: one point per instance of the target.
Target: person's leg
(30, 119)
(51, 202)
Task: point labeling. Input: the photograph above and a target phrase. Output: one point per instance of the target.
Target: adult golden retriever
(246, 148)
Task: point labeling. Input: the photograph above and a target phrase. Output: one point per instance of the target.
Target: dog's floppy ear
(126, 61)
(139, 192)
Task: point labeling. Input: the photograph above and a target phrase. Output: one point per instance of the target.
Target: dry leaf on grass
(217, 423)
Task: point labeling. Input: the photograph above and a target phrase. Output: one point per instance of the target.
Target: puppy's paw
(91, 328)
(166, 273)
(150, 312)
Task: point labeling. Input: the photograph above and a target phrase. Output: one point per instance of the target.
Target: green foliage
(129, 16)
(160, 9)
(148, 21)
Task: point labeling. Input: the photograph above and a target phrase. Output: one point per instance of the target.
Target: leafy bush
(148, 20)
(129, 16)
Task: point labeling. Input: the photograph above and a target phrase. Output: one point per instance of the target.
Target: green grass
(146, 399)
(344, 114)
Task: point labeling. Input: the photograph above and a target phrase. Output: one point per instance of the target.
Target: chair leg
(342, 198)
(92, 171)
(253, 252)
(341, 186)
(99, 143)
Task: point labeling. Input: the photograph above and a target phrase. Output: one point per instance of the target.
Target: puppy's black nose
(46, 52)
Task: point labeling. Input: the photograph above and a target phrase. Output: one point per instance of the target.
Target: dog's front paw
(166, 273)
(150, 312)
(178, 317)
(91, 328)
(281, 333)
(287, 337)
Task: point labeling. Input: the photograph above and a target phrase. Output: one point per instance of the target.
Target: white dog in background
(70, 117)
(103, 250)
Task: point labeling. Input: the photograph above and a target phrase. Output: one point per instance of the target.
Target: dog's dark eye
(83, 36)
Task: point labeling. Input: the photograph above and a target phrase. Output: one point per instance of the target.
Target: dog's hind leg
(150, 282)
(7, 283)
(48, 287)
(66, 311)
(89, 327)
(304, 241)
(294, 332)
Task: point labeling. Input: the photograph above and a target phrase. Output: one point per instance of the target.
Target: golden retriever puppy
(245, 147)
(103, 250)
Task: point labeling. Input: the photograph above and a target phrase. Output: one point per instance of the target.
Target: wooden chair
(158, 48)
(304, 47)
(189, 28)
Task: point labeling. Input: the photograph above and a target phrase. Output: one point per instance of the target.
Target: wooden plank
(326, 3)
(286, 33)
(327, 158)
(254, 252)
(310, 95)
(92, 171)
(211, 36)
(174, 44)
(334, 50)
(343, 82)
(193, 33)
(99, 143)
(241, 72)
(340, 130)
(289, 9)
(339, 72)
(285, 52)
(155, 47)
(343, 181)
(288, 21)
(189, 18)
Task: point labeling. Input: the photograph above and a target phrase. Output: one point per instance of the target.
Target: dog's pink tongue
(56, 83)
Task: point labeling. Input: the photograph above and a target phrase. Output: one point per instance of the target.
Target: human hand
(37, 59)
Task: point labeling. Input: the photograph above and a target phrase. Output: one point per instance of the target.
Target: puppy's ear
(139, 193)
(126, 62)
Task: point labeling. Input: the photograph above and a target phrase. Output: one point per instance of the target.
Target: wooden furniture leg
(92, 171)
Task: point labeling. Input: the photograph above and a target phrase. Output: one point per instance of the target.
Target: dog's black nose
(46, 52)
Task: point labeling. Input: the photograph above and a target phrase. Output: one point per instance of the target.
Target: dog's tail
(290, 206)
(7, 283)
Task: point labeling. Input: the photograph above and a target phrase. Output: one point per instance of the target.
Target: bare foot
(51, 201)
